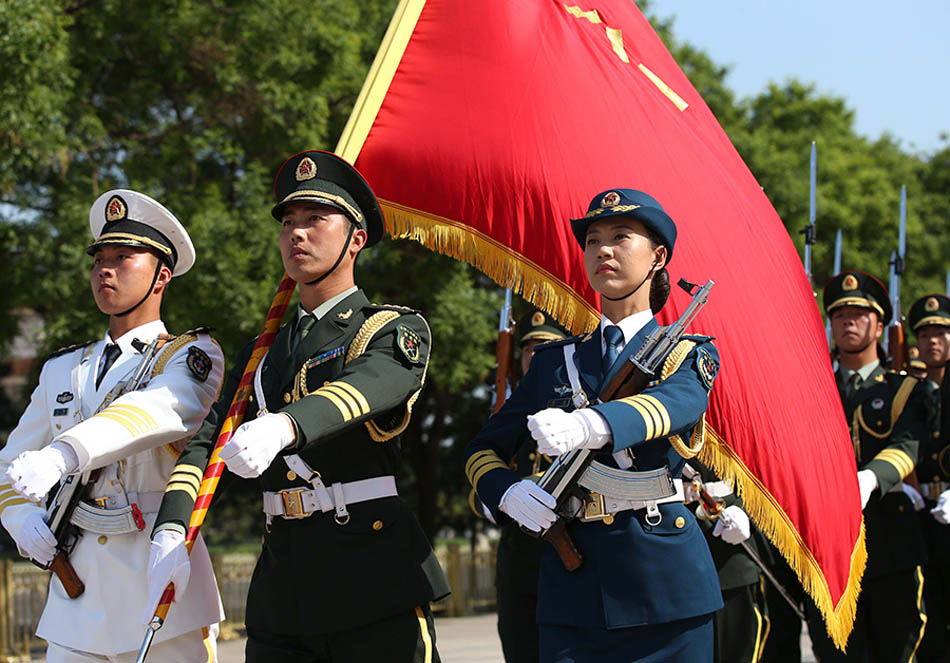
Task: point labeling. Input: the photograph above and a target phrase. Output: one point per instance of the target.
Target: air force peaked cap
(632, 204)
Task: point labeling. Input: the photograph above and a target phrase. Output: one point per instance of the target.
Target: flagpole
(215, 467)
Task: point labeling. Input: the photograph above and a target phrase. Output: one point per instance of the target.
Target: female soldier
(647, 586)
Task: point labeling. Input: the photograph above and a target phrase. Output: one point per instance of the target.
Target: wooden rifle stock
(897, 345)
(67, 575)
(558, 537)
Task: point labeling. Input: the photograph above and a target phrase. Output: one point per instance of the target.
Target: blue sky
(889, 61)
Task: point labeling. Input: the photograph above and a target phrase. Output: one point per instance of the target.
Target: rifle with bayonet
(75, 488)
(809, 230)
(562, 478)
(896, 341)
(504, 355)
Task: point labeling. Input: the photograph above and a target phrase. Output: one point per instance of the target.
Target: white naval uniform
(129, 440)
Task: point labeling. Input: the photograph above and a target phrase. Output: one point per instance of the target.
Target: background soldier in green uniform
(519, 555)
(346, 572)
(742, 624)
(929, 317)
(887, 415)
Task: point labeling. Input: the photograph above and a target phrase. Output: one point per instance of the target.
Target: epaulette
(699, 338)
(67, 349)
(547, 345)
(198, 330)
(390, 307)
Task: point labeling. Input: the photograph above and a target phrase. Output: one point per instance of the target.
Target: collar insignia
(850, 282)
(610, 200)
(64, 397)
(345, 315)
(116, 209)
(306, 170)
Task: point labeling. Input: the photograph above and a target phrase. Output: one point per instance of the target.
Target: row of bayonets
(897, 257)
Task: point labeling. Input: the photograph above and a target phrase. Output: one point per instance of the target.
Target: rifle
(837, 270)
(712, 508)
(74, 489)
(562, 477)
(809, 230)
(504, 355)
(896, 344)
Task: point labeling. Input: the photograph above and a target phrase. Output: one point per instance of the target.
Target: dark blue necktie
(613, 337)
(109, 355)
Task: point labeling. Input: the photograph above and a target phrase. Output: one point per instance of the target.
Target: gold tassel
(498, 262)
(775, 524)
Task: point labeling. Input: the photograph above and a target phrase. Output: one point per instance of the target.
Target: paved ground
(460, 640)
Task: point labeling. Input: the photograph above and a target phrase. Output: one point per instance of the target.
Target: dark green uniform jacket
(887, 415)
(314, 575)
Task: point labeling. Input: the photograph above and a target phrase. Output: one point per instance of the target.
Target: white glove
(558, 432)
(732, 525)
(167, 562)
(867, 483)
(530, 505)
(914, 496)
(256, 444)
(30, 532)
(941, 512)
(34, 473)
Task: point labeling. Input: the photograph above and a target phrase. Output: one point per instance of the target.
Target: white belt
(303, 502)
(122, 520)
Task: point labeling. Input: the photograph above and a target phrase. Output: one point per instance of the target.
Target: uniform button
(532, 456)
(250, 399)
(291, 475)
(936, 478)
(900, 507)
(934, 456)
(936, 434)
(286, 398)
(609, 519)
(680, 522)
(102, 539)
(378, 525)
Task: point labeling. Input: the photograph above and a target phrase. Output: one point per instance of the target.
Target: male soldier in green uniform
(929, 318)
(742, 624)
(887, 415)
(346, 572)
(519, 555)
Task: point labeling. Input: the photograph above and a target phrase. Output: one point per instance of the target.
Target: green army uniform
(742, 625)
(887, 414)
(345, 572)
(933, 475)
(519, 555)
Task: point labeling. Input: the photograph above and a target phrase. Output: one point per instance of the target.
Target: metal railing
(23, 589)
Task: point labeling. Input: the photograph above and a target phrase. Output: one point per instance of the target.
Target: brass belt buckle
(293, 503)
(595, 509)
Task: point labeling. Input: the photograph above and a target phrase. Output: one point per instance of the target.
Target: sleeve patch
(409, 343)
(707, 367)
(199, 363)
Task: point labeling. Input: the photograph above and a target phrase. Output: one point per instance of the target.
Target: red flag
(484, 126)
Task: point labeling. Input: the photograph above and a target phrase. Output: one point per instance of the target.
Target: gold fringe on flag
(504, 266)
(775, 524)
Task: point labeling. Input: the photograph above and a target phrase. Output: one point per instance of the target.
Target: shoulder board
(390, 307)
(547, 345)
(698, 338)
(68, 349)
(198, 330)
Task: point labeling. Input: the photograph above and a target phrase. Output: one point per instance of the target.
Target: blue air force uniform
(647, 586)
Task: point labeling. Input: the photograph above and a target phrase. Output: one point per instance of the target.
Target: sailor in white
(75, 423)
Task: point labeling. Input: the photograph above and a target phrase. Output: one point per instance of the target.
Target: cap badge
(610, 200)
(850, 282)
(537, 319)
(931, 305)
(116, 209)
(306, 169)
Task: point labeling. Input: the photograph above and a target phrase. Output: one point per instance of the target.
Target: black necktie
(303, 328)
(851, 386)
(109, 355)
(613, 337)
